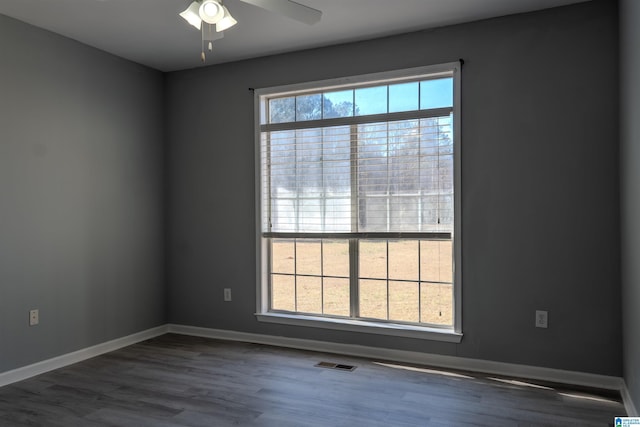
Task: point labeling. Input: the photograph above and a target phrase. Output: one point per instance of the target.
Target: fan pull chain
(202, 55)
(209, 45)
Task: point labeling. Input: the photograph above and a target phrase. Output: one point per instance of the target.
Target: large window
(358, 198)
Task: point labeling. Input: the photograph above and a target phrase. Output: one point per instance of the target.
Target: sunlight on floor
(513, 382)
(520, 383)
(589, 397)
(426, 371)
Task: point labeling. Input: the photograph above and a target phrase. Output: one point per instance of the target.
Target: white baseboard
(451, 362)
(435, 360)
(38, 368)
(628, 402)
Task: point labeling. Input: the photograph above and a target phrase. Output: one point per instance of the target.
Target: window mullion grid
(388, 207)
(387, 248)
(323, 217)
(266, 189)
(297, 172)
(439, 193)
(393, 173)
(388, 210)
(322, 276)
(323, 192)
(420, 207)
(269, 250)
(420, 215)
(269, 163)
(353, 159)
(419, 281)
(295, 276)
(354, 244)
(268, 156)
(354, 273)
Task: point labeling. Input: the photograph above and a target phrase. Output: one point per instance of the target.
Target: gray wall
(81, 193)
(630, 191)
(540, 184)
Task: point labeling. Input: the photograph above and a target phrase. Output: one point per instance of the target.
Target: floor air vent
(338, 366)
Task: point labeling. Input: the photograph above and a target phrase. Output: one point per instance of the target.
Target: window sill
(393, 329)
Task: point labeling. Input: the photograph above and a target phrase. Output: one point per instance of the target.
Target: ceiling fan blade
(290, 9)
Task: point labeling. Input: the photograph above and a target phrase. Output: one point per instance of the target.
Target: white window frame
(453, 334)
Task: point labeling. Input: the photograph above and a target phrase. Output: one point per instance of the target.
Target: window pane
(337, 215)
(309, 166)
(429, 178)
(438, 132)
(403, 260)
(373, 299)
(436, 261)
(373, 159)
(371, 100)
(403, 97)
(373, 175)
(282, 110)
(336, 156)
(404, 160)
(373, 259)
(404, 175)
(283, 214)
(373, 214)
(310, 215)
(437, 93)
(283, 293)
(446, 212)
(335, 258)
(436, 135)
(336, 299)
(338, 104)
(282, 256)
(309, 107)
(436, 305)
(308, 257)
(282, 174)
(436, 174)
(404, 213)
(432, 214)
(309, 294)
(403, 301)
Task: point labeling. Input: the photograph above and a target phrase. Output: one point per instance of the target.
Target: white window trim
(383, 328)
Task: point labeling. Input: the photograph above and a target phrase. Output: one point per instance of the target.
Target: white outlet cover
(542, 319)
(34, 317)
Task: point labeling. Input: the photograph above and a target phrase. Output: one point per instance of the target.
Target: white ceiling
(150, 32)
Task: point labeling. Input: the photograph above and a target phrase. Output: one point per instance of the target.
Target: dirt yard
(414, 276)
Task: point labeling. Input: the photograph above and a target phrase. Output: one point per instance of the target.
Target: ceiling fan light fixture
(214, 12)
(192, 15)
(226, 22)
(211, 11)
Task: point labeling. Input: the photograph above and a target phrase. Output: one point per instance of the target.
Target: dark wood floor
(176, 380)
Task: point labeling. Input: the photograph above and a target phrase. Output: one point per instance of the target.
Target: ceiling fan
(204, 14)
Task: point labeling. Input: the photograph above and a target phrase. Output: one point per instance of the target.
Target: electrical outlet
(227, 294)
(542, 319)
(34, 317)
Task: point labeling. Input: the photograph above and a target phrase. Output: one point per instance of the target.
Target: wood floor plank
(182, 381)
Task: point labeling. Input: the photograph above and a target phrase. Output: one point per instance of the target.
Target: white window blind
(329, 167)
(376, 177)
